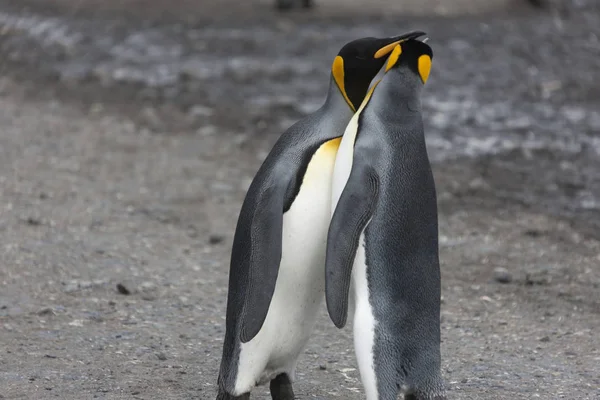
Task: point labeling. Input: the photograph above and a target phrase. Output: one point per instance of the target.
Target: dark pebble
(45, 311)
(122, 289)
(545, 339)
(33, 221)
(161, 356)
(533, 233)
(215, 239)
(502, 275)
(322, 367)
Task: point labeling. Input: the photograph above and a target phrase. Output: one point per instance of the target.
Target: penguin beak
(387, 49)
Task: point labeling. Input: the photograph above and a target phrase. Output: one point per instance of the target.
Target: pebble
(46, 311)
(148, 286)
(199, 111)
(215, 239)
(122, 289)
(502, 275)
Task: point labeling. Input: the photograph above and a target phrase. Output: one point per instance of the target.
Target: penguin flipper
(352, 213)
(262, 259)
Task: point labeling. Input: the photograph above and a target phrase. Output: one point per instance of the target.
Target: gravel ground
(125, 155)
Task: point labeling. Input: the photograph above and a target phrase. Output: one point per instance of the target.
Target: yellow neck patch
(337, 69)
(393, 57)
(424, 67)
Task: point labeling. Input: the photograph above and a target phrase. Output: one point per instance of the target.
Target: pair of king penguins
(343, 208)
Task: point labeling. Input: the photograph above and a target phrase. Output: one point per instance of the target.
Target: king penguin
(277, 270)
(383, 236)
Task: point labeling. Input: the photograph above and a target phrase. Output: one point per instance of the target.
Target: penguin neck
(335, 105)
(401, 90)
(402, 83)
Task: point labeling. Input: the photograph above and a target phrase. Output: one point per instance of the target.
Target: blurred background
(131, 129)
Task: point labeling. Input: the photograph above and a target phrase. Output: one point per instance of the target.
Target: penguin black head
(414, 55)
(359, 61)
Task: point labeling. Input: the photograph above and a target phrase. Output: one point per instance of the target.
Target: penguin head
(413, 55)
(359, 61)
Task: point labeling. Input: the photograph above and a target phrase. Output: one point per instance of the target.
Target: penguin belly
(364, 322)
(300, 286)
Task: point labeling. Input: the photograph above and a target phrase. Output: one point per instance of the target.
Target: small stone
(32, 221)
(161, 356)
(533, 233)
(215, 239)
(46, 311)
(71, 287)
(199, 111)
(502, 275)
(122, 289)
(322, 367)
(207, 130)
(148, 286)
(545, 339)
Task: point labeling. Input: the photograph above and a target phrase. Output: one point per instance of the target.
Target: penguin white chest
(343, 161)
(300, 286)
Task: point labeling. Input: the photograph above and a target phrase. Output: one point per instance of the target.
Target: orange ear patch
(337, 69)
(424, 65)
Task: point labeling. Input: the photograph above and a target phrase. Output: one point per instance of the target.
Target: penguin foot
(538, 3)
(222, 395)
(284, 5)
(425, 397)
(281, 388)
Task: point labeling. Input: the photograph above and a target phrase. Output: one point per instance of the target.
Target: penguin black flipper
(262, 256)
(352, 213)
